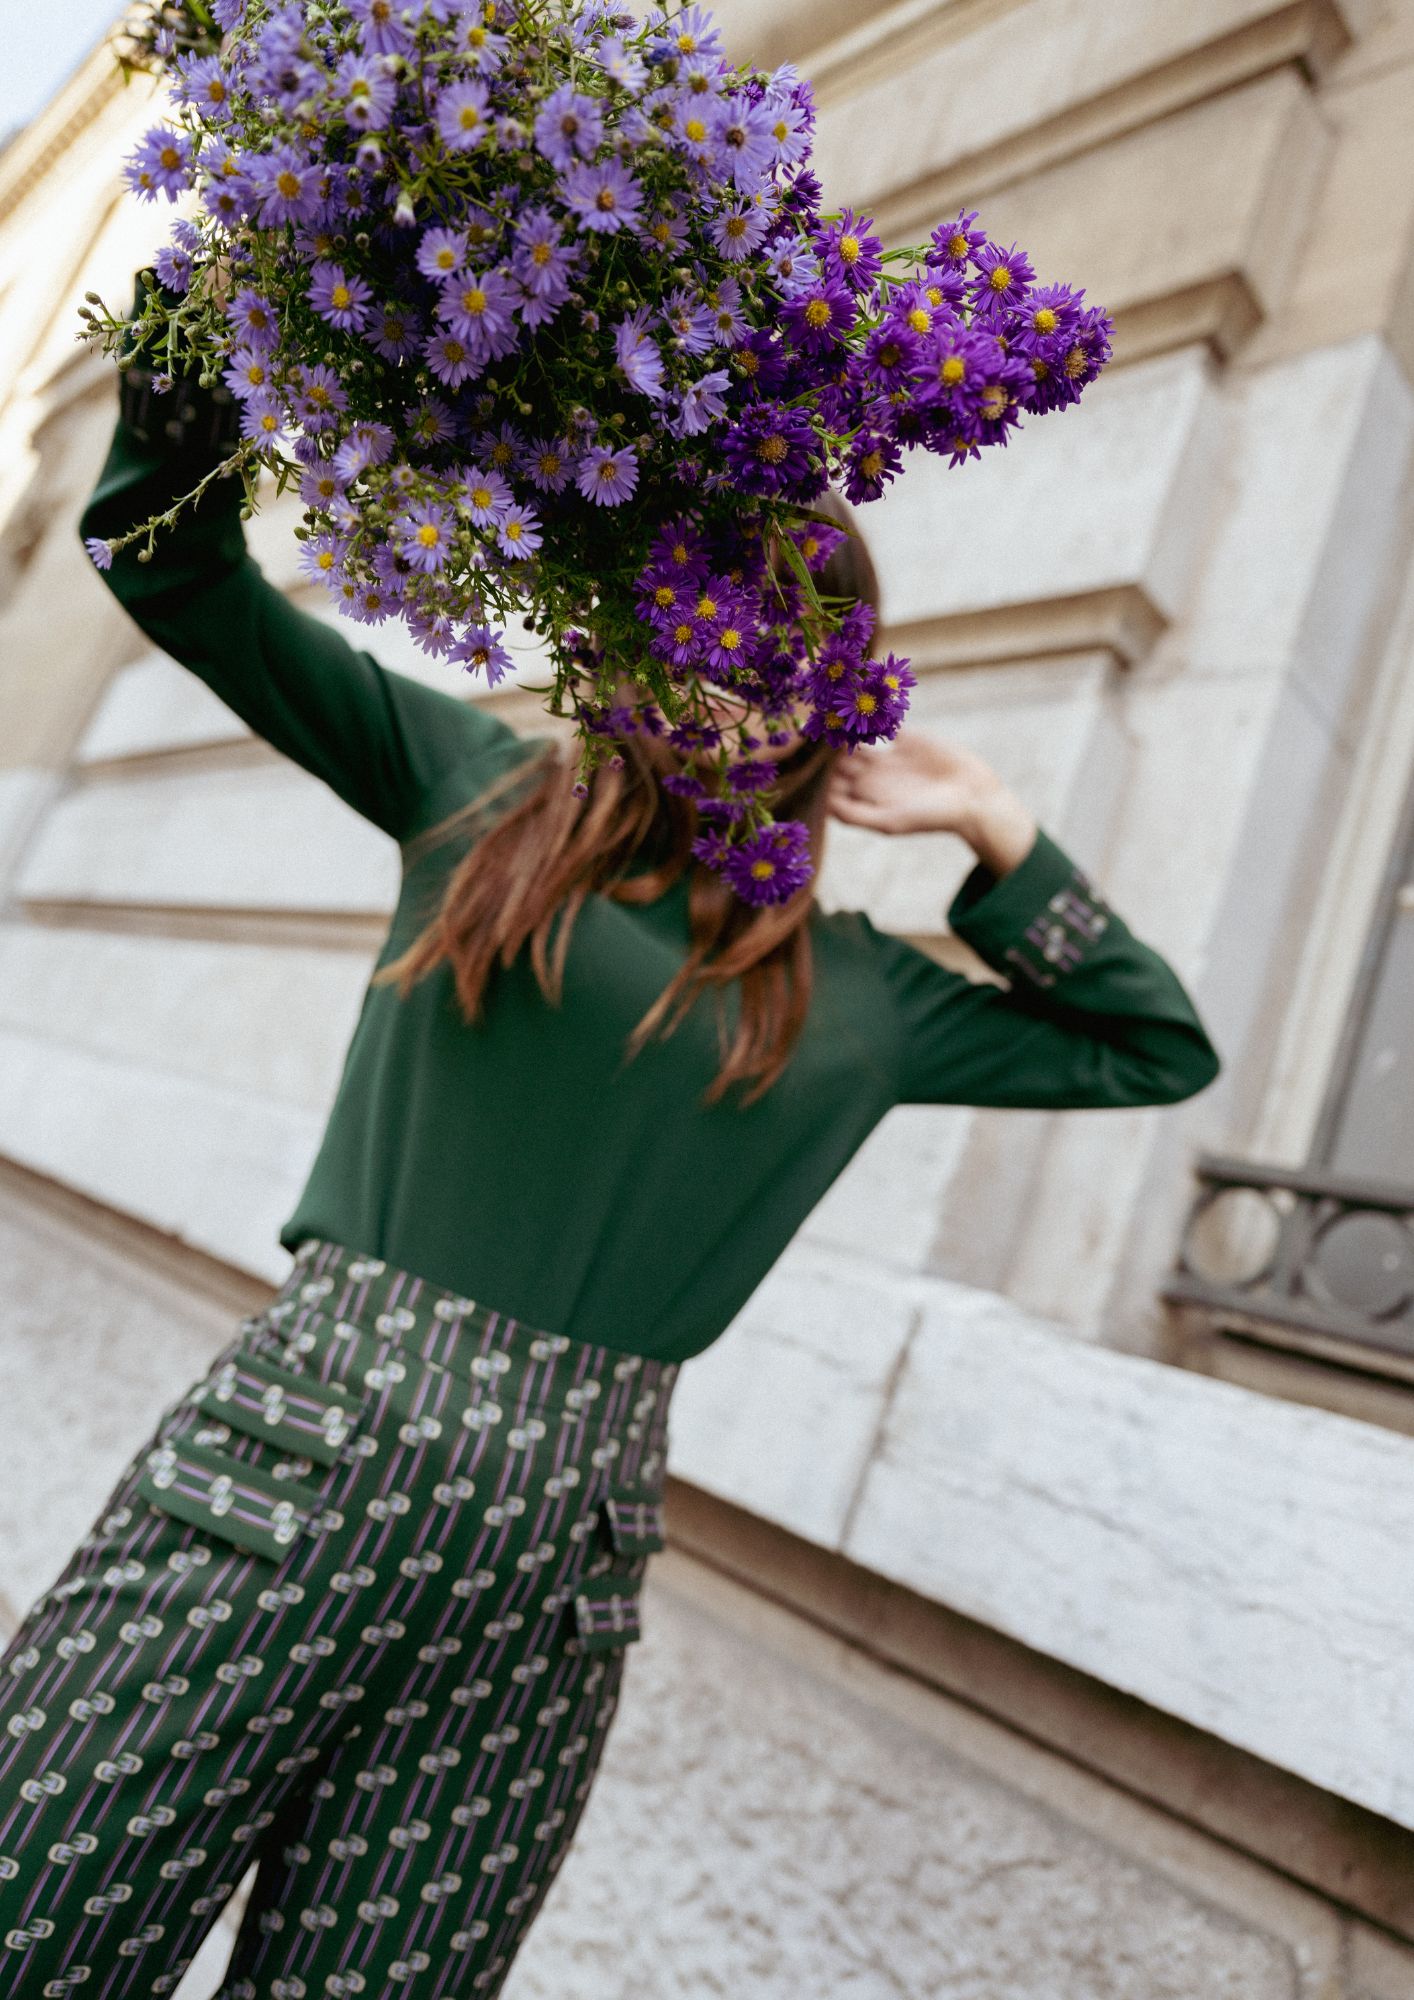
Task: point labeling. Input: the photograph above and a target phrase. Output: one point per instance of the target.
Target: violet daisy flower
(604, 197)
(892, 355)
(425, 536)
(956, 243)
(430, 421)
(569, 126)
(100, 553)
(819, 314)
(441, 253)
(477, 305)
(366, 444)
(793, 267)
(1048, 315)
(622, 65)
(339, 299)
(693, 33)
(817, 543)
(502, 450)
(678, 545)
(320, 399)
(638, 355)
(320, 558)
(488, 497)
(740, 230)
(394, 332)
(321, 486)
(368, 91)
(372, 604)
(204, 84)
(451, 360)
(847, 250)
(762, 362)
(160, 165)
(518, 534)
(480, 651)
(548, 464)
(173, 267)
(729, 322)
(769, 449)
(691, 323)
(463, 120)
(788, 127)
(481, 48)
(665, 230)
(1003, 276)
(608, 478)
(743, 134)
(665, 595)
(540, 262)
(770, 866)
(381, 31)
(699, 405)
(871, 463)
(693, 133)
(263, 419)
(248, 373)
(287, 185)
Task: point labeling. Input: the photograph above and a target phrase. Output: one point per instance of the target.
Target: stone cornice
(48, 137)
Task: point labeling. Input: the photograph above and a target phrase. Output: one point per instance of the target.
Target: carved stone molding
(1122, 621)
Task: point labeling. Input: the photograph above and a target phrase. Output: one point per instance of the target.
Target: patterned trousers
(356, 1614)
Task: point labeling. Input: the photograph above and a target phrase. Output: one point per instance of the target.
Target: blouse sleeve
(402, 755)
(1093, 1018)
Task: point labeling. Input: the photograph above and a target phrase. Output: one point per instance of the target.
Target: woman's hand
(918, 785)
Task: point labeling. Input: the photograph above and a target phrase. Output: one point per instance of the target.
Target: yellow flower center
(359, 87)
(540, 254)
(686, 44)
(872, 464)
(288, 184)
(957, 245)
(762, 870)
(679, 553)
(428, 535)
(772, 449)
(341, 298)
(481, 496)
(1044, 320)
(477, 233)
(446, 259)
(269, 422)
(695, 130)
(325, 559)
(468, 118)
(994, 401)
(952, 371)
(319, 396)
(476, 38)
(810, 548)
(549, 463)
(706, 607)
(1075, 361)
(514, 530)
(664, 596)
(608, 472)
(736, 226)
(480, 656)
(919, 320)
(849, 249)
(255, 374)
(501, 454)
(865, 704)
(660, 232)
(730, 640)
(454, 351)
(326, 489)
(171, 157)
(889, 356)
(473, 300)
(604, 200)
(779, 130)
(817, 313)
(1000, 278)
(374, 600)
(216, 90)
(682, 633)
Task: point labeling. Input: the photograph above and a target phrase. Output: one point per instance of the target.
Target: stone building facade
(1131, 1494)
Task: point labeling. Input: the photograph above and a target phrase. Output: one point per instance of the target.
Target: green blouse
(523, 1161)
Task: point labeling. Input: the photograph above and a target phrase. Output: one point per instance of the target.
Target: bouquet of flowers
(538, 309)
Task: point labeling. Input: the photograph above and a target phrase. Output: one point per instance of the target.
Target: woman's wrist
(999, 830)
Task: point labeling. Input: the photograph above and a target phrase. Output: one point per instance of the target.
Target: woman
(358, 1612)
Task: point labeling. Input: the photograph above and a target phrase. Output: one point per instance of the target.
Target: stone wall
(1178, 619)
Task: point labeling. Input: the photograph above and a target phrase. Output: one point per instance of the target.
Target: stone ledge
(321, 930)
(1355, 1857)
(1122, 621)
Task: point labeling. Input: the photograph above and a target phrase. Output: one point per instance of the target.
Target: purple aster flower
(569, 126)
(956, 243)
(249, 373)
(847, 250)
(288, 187)
(638, 355)
(871, 463)
(441, 254)
(699, 405)
(263, 419)
(540, 262)
(1003, 277)
(368, 91)
(792, 266)
(488, 497)
(228, 14)
(321, 486)
(160, 165)
(760, 359)
(366, 444)
(691, 323)
(788, 128)
(693, 132)
(518, 534)
(477, 306)
(480, 651)
(743, 134)
(320, 399)
(462, 118)
(451, 360)
(502, 450)
(320, 559)
(173, 267)
(729, 322)
(425, 536)
(372, 604)
(381, 31)
(606, 197)
(740, 230)
(608, 478)
(691, 34)
(819, 314)
(769, 449)
(770, 866)
(678, 546)
(548, 464)
(728, 639)
(100, 553)
(1046, 319)
(203, 83)
(817, 543)
(394, 332)
(431, 421)
(480, 47)
(340, 299)
(893, 357)
(665, 230)
(622, 65)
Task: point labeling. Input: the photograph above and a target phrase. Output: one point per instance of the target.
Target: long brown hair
(524, 882)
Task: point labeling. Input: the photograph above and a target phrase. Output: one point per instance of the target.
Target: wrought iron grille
(1318, 1253)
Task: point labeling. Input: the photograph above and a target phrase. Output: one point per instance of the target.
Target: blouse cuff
(1037, 924)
